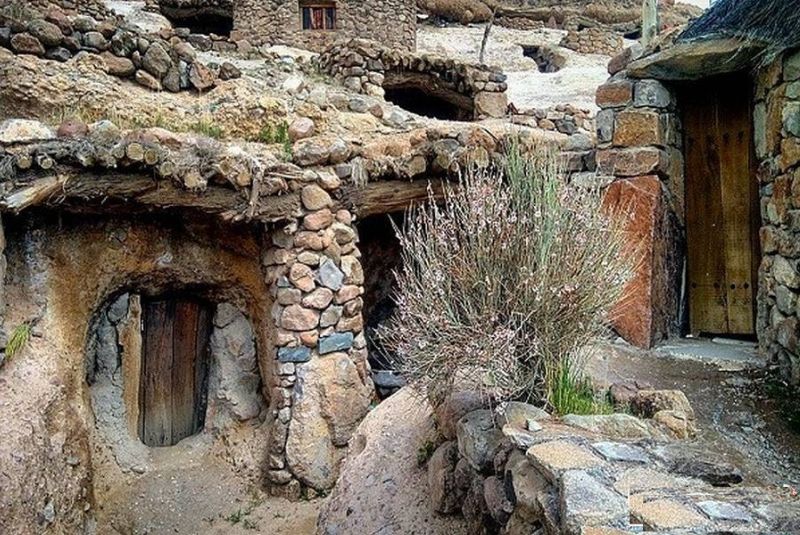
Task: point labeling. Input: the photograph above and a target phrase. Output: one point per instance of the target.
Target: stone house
(310, 24)
(702, 139)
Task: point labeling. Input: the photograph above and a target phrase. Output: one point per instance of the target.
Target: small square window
(318, 16)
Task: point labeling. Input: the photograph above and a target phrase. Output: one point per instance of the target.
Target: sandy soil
(190, 494)
(527, 87)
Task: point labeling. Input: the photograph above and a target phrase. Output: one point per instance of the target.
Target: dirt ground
(195, 495)
(735, 416)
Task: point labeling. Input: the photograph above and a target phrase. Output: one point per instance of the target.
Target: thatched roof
(775, 24)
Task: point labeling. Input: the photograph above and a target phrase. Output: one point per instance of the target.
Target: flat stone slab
(725, 511)
(585, 502)
(616, 451)
(520, 438)
(617, 425)
(642, 479)
(554, 458)
(662, 513)
(294, 354)
(335, 342)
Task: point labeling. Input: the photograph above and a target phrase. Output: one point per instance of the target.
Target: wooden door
(174, 370)
(722, 210)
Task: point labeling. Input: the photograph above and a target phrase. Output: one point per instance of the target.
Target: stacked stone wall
(157, 62)
(593, 41)
(362, 66)
(777, 140)
(390, 22)
(639, 151)
(92, 8)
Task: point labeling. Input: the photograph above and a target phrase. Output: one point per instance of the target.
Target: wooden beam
(391, 196)
(91, 189)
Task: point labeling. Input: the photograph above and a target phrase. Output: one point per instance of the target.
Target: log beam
(391, 196)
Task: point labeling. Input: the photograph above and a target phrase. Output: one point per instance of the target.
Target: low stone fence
(593, 41)
(364, 66)
(155, 62)
(516, 470)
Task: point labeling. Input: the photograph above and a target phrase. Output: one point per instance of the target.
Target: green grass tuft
(571, 394)
(19, 338)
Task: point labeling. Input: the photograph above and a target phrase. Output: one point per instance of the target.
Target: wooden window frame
(327, 16)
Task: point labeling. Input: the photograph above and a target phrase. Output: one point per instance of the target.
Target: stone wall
(166, 62)
(391, 22)
(517, 470)
(777, 140)
(639, 150)
(640, 146)
(593, 41)
(364, 66)
(93, 8)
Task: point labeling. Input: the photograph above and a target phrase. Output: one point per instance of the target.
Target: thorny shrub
(505, 282)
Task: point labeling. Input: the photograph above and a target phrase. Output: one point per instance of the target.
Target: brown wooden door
(721, 206)
(174, 370)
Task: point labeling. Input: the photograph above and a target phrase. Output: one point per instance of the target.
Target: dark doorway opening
(219, 22)
(418, 101)
(174, 371)
(547, 59)
(380, 257)
(722, 206)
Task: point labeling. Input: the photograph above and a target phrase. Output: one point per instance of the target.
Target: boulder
(46, 32)
(446, 495)
(586, 502)
(479, 439)
(25, 43)
(156, 60)
(118, 66)
(329, 401)
(382, 488)
(454, 407)
(301, 128)
(200, 76)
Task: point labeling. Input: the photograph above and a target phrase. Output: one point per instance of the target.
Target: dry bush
(505, 282)
(463, 11)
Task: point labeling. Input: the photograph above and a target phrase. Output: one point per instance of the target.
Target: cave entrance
(425, 95)
(218, 21)
(174, 370)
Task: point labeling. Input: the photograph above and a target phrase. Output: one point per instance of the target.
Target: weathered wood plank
(184, 347)
(391, 196)
(735, 180)
(720, 203)
(157, 406)
(706, 262)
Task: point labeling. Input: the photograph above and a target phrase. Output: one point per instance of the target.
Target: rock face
(320, 427)
(382, 489)
(644, 313)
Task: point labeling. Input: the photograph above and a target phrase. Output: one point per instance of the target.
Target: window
(319, 16)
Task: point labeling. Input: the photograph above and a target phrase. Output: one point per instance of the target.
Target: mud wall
(61, 269)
